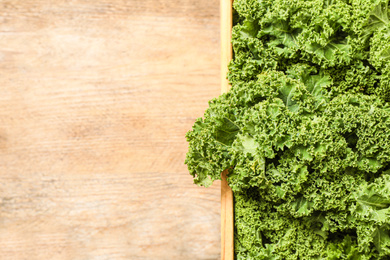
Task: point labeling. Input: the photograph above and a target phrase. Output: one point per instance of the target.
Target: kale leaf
(303, 131)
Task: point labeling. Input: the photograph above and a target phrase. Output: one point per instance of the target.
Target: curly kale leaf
(348, 40)
(377, 18)
(308, 159)
(303, 131)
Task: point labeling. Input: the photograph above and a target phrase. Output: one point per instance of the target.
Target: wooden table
(96, 97)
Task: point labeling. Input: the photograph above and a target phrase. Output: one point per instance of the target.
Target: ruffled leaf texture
(349, 40)
(304, 130)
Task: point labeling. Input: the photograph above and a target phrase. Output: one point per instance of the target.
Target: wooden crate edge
(227, 216)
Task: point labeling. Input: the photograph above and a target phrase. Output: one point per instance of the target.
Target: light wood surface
(227, 220)
(227, 217)
(96, 97)
(226, 46)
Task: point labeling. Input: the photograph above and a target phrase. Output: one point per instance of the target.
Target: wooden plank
(96, 98)
(226, 46)
(227, 220)
(227, 217)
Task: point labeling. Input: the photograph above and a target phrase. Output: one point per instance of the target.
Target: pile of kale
(304, 130)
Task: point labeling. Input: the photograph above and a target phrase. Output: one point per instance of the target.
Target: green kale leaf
(304, 130)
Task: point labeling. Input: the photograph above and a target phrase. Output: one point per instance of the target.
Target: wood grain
(227, 214)
(96, 99)
(227, 220)
(226, 8)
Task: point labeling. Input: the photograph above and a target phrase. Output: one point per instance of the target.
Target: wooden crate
(227, 216)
